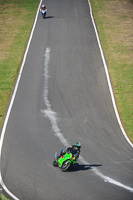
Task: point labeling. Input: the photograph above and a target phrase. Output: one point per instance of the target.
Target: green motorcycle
(64, 161)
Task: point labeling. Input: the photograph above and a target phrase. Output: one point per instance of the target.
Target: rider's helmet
(62, 152)
(78, 145)
(43, 6)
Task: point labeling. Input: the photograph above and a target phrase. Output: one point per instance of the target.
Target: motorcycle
(43, 12)
(64, 161)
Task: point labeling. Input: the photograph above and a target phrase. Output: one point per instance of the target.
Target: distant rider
(74, 150)
(43, 7)
(43, 10)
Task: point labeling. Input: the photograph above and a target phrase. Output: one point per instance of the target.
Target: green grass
(15, 29)
(2, 197)
(14, 33)
(114, 22)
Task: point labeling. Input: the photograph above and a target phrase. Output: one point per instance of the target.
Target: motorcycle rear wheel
(65, 166)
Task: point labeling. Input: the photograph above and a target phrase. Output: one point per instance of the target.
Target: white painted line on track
(48, 112)
(12, 101)
(52, 116)
(108, 78)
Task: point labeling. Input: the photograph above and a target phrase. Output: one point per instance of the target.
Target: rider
(74, 150)
(43, 7)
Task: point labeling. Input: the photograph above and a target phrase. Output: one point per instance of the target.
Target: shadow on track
(48, 17)
(78, 167)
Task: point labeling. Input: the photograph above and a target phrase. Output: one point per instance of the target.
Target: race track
(63, 97)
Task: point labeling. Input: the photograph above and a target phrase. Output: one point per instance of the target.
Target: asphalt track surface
(64, 78)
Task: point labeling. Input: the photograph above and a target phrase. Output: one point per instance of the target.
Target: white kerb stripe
(53, 119)
(108, 79)
(12, 101)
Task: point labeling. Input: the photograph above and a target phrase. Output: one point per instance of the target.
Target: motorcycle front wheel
(44, 15)
(55, 163)
(65, 166)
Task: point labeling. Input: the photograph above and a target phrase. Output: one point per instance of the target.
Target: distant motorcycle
(64, 161)
(43, 12)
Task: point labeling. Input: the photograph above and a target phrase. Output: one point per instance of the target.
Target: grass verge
(16, 20)
(15, 27)
(2, 197)
(114, 19)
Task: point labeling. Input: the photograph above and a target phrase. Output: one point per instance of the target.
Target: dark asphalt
(79, 94)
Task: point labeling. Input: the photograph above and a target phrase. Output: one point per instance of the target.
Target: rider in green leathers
(74, 150)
